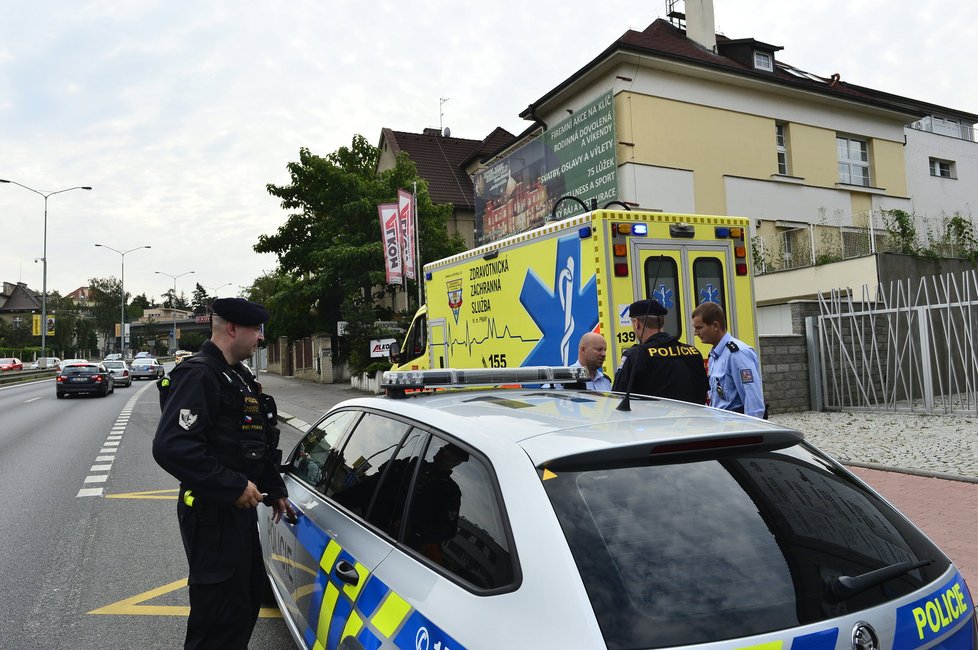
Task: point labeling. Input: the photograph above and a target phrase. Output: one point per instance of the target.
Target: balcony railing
(945, 127)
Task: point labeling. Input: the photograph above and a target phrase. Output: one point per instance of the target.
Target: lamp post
(122, 286)
(214, 289)
(173, 302)
(44, 257)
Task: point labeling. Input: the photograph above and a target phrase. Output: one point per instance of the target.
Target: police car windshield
(730, 546)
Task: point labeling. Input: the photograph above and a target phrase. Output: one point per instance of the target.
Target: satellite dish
(447, 132)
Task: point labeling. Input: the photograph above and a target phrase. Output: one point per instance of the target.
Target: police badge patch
(746, 376)
(187, 418)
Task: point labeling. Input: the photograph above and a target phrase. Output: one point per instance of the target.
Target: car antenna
(626, 401)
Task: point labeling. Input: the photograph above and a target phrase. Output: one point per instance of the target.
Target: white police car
(537, 518)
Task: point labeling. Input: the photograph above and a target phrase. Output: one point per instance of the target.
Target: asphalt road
(92, 572)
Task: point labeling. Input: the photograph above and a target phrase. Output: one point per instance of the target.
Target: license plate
(79, 379)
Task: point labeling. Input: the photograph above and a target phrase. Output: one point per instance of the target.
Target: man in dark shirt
(660, 364)
(217, 437)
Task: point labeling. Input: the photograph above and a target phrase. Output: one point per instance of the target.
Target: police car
(542, 518)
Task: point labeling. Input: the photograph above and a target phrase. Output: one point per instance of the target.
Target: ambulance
(526, 300)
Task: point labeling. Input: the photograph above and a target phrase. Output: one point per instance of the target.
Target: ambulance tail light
(741, 268)
(740, 252)
(620, 250)
(621, 269)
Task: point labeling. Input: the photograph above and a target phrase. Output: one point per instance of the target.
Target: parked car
(10, 363)
(535, 518)
(180, 355)
(146, 368)
(119, 371)
(115, 356)
(93, 378)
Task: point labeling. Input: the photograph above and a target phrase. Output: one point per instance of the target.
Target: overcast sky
(179, 113)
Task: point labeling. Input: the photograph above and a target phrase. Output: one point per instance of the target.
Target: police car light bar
(458, 377)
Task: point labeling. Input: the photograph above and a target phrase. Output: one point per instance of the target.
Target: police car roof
(555, 425)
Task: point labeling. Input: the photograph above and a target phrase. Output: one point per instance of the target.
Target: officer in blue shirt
(735, 375)
(591, 353)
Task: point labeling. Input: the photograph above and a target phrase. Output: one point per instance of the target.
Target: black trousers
(227, 576)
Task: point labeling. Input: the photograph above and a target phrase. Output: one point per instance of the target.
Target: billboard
(574, 157)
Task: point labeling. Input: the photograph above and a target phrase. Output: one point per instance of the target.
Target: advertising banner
(405, 202)
(390, 237)
(574, 157)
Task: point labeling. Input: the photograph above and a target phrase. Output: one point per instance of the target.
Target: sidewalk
(925, 465)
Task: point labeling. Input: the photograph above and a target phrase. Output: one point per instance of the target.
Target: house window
(942, 168)
(853, 160)
(18, 322)
(781, 137)
(763, 61)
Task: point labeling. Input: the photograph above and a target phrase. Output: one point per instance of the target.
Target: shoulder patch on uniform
(187, 418)
(746, 376)
(732, 346)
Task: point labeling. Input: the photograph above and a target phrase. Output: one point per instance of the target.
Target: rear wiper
(842, 587)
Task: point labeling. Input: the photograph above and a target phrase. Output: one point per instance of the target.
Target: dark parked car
(146, 368)
(119, 371)
(80, 378)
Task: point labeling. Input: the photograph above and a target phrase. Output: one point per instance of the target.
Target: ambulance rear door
(438, 343)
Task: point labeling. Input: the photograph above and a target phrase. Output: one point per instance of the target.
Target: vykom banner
(405, 202)
(390, 236)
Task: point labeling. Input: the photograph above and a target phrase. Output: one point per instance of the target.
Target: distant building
(18, 304)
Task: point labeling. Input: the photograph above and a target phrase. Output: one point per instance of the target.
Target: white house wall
(776, 201)
(933, 195)
(663, 189)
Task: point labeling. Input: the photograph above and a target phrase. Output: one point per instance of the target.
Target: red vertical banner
(390, 237)
(405, 203)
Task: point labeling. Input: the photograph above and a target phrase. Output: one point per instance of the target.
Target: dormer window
(763, 61)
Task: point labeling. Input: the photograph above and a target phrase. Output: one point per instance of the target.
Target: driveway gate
(908, 349)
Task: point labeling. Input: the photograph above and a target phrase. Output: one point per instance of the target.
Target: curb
(293, 421)
(913, 472)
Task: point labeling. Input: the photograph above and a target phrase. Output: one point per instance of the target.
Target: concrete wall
(784, 362)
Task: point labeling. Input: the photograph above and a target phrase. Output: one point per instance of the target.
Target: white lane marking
(109, 448)
(33, 399)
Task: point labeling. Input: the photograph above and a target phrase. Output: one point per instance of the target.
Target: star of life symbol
(664, 296)
(187, 418)
(709, 293)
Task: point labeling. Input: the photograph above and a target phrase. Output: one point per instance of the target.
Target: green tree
(106, 294)
(200, 302)
(329, 249)
(137, 305)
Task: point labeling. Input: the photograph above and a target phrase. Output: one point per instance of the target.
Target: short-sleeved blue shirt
(735, 377)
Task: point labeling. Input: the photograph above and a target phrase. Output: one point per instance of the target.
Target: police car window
(722, 548)
(387, 508)
(356, 476)
(662, 284)
(708, 281)
(454, 519)
(309, 462)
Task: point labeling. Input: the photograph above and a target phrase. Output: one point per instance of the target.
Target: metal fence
(908, 348)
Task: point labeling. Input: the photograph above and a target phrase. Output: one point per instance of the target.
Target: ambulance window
(708, 282)
(414, 345)
(662, 284)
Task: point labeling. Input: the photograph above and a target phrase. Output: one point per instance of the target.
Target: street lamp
(122, 286)
(214, 289)
(173, 302)
(44, 257)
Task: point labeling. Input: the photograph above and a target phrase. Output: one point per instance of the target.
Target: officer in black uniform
(662, 365)
(217, 436)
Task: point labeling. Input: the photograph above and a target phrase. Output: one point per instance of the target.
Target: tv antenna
(441, 113)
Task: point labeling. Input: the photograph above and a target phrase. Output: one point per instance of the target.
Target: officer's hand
(250, 498)
(283, 507)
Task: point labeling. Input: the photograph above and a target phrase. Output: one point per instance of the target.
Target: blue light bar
(640, 229)
(449, 377)
(584, 232)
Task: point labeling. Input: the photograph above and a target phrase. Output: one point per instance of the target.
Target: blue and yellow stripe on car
(370, 611)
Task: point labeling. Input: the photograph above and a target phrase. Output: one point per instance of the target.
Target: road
(99, 571)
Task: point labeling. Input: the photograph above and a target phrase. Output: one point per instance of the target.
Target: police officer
(735, 378)
(662, 365)
(217, 436)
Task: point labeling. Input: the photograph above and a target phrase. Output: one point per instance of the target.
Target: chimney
(700, 23)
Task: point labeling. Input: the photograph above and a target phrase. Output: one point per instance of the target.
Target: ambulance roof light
(640, 229)
(584, 232)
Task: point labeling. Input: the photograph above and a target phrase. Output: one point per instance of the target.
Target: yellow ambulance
(526, 300)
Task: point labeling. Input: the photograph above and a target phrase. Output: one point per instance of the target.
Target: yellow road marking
(134, 607)
(152, 494)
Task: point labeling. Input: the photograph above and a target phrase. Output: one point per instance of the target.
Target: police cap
(646, 308)
(240, 311)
